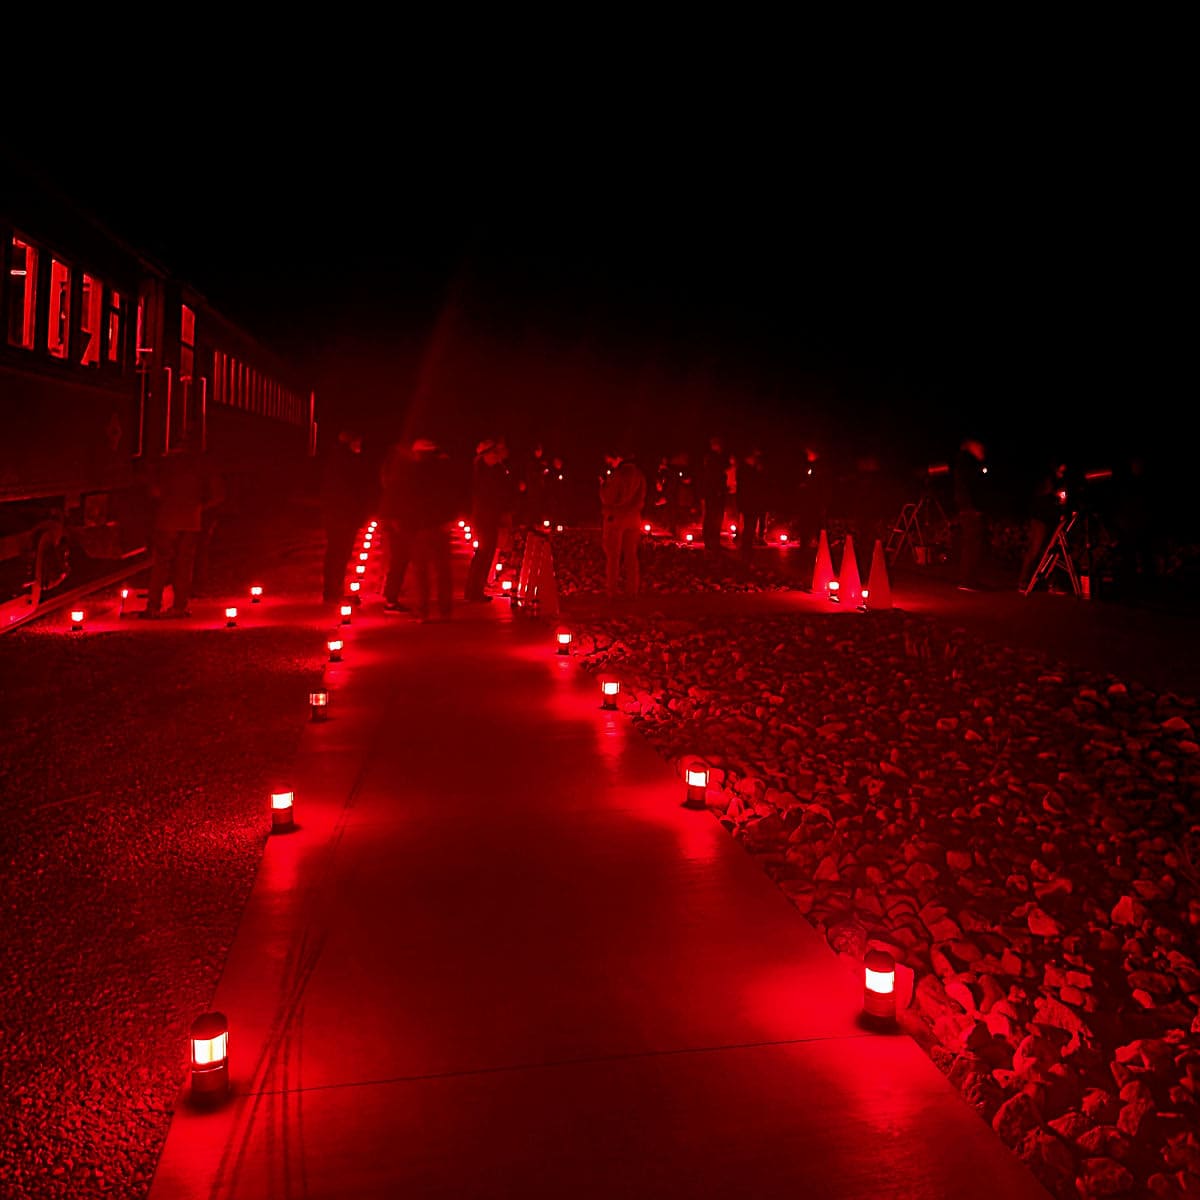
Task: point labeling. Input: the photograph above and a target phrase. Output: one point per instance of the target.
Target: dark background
(871, 282)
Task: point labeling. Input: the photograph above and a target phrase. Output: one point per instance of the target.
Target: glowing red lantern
(733, 529)
(689, 538)
(462, 524)
(230, 617)
(697, 785)
(866, 595)
(334, 645)
(283, 806)
(355, 587)
(474, 543)
(76, 620)
(359, 569)
(546, 524)
(506, 586)
(210, 1056)
(558, 528)
(346, 612)
(372, 524)
(318, 703)
(499, 568)
(124, 597)
(879, 987)
(564, 641)
(609, 690)
(834, 590)
(646, 527)
(363, 556)
(783, 537)
(256, 594)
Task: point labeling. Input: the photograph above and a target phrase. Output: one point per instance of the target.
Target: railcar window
(116, 327)
(90, 322)
(22, 309)
(59, 333)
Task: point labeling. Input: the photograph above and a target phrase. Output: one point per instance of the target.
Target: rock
(1128, 911)
(1015, 1118)
(1042, 924)
(1102, 1177)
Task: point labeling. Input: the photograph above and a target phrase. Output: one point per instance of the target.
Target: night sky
(876, 291)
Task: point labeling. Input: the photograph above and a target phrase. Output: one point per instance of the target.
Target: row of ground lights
(210, 1032)
(78, 615)
(209, 1039)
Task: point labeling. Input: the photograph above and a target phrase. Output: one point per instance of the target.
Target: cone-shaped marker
(849, 585)
(879, 591)
(823, 568)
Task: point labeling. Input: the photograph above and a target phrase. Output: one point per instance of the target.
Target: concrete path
(497, 958)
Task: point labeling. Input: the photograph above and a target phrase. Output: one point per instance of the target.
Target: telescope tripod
(1058, 556)
(910, 529)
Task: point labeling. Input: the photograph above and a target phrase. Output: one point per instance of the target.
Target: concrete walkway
(497, 958)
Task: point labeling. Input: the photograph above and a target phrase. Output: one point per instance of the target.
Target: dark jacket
(346, 488)
(712, 476)
(492, 492)
(184, 487)
(752, 488)
(430, 494)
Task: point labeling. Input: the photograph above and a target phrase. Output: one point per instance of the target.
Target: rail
(18, 612)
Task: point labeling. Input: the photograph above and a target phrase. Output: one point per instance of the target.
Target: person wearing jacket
(622, 495)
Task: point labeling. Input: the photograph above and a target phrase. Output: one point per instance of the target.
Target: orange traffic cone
(879, 591)
(823, 574)
(849, 585)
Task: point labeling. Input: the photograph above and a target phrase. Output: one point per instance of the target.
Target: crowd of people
(419, 490)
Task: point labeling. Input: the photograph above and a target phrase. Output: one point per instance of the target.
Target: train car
(105, 360)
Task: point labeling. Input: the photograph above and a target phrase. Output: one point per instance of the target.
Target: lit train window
(22, 310)
(116, 327)
(89, 321)
(58, 335)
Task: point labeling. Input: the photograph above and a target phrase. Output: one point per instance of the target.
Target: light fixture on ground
(256, 594)
(879, 987)
(689, 538)
(834, 591)
(646, 527)
(462, 524)
(564, 641)
(355, 588)
(318, 703)
(283, 806)
(346, 612)
(546, 524)
(609, 690)
(210, 1056)
(359, 569)
(783, 537)
(866, 595)
(334, 646)
(77, 620)
(558, 529)
(230, 617)
(363, 557)
(696, 775)
(506, 587)
(124, 597)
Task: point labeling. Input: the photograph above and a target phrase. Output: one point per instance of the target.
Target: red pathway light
(783, 537)
(124, 597)
(230, 617)
(318, 703)
(355, 587)
(646, 527)
(359, 569)
(546, 524)
(563, 637)
(879, 987)
(696, 775)
(834, 591)
(609, 689)
(283, 805)
(346, 612)
(689, 538)
(506, 586)
(363, 557)
(558, 528)
(256, 593)
(462, 524)
(210, 1056)
(77, 620)
(334, 646)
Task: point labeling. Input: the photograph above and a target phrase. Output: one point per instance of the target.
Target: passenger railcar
(105, 360)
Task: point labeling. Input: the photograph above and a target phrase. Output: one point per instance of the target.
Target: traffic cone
(849, 585)
(879, 591)
(823, 568)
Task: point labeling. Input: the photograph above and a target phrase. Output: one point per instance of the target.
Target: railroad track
(16, 613)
